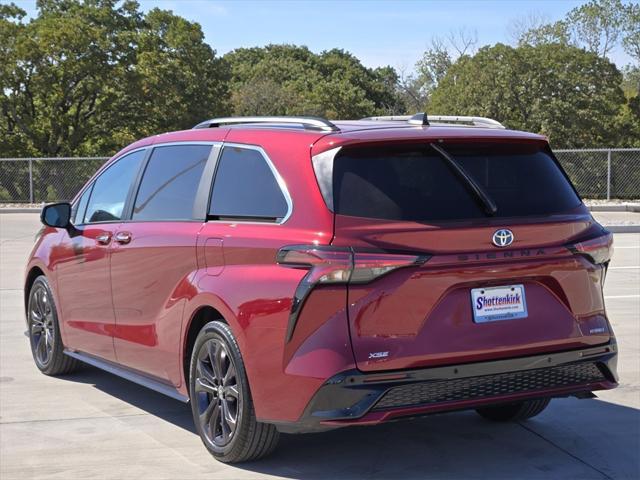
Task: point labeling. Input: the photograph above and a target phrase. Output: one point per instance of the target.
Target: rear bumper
(356, 398)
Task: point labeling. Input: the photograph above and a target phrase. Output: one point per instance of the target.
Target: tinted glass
(170, 182)
(57, 215)
(246, 187)
(111, 188)
(416, 184)
(78, 209)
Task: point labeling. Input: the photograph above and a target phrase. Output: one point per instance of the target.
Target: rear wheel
(221, 400)
(44, 332)
(514, 412)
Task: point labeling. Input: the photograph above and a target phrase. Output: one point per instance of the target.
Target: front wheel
(44, 331)
(514, 412)
(221, 400)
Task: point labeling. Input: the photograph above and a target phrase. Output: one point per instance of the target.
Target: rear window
(414, 183)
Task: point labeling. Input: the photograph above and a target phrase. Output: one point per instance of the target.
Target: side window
(170, 182)
(110, 190)
(78, 209)
(245, 187)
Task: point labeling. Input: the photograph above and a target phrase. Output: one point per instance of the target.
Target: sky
(378, 32)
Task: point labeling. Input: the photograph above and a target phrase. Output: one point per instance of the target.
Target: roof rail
(422, 119)
(311, 123)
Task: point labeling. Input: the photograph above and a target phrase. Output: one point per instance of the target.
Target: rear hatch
(493, 252)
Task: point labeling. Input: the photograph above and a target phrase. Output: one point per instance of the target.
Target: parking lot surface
(94, 425)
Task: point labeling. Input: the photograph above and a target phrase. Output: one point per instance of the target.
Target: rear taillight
(337, 265)
(598, 250)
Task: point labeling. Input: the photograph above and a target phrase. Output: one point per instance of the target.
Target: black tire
(514, 412)
(44, 331)
(221, 401)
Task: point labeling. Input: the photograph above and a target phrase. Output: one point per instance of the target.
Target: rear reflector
(337, 265)
(598, 250)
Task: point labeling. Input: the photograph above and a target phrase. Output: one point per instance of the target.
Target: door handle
(123, 237)
(104, 238)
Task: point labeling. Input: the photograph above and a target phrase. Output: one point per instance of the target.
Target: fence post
(609, 174)
(30, 181)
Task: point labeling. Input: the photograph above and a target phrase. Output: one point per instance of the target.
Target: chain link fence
(597, 174)
(612, 173)
(38, 180)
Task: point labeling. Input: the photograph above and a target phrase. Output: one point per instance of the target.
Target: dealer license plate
(498, 303)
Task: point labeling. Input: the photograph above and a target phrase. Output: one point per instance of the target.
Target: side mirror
(56, 215)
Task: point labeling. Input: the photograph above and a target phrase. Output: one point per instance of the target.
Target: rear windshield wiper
(486, 201)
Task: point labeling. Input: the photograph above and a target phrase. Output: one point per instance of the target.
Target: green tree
(63, 73)
(416, 89)
(597, 25)
(88, 77)
(292, 80)
(631, 29)
(432, 67)
(557, 32)
(179, 80)
(564, 92)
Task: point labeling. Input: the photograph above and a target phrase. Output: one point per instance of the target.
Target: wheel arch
(198, 319)
(33, 273)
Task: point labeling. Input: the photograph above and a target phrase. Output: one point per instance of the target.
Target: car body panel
(254, 295)
(84, 288)
(151, 278)
(137, 306)
(422, 316)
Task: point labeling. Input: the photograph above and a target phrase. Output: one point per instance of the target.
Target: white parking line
(607, 297)
(625, 268)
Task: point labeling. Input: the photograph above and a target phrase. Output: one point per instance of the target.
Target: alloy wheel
(217, 393)
(41, 325)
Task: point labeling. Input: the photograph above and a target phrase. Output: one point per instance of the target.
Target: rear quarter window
(246, 187)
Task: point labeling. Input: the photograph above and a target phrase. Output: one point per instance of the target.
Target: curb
(623, 228)
(615, 208)
(19, 210)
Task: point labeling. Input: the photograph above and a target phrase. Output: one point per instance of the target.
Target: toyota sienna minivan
(292, 274)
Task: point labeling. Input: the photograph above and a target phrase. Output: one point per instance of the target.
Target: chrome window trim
(185, 142)
(220, 144)
(215, 147)
(143, 165)
(276, 174)
(107, 165)
(165, 144)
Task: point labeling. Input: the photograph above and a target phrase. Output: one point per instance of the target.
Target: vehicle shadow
(571, 439)
(152, 402)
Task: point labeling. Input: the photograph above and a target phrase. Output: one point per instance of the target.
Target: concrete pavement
(94, 425)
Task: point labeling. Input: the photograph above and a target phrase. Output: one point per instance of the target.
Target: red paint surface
(134, 303)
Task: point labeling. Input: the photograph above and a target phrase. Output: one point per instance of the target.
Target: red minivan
(290, 274)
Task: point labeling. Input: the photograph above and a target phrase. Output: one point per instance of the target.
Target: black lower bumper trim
(350, 395)
(486, 386)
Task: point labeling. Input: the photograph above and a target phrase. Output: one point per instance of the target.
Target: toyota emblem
(503, 238)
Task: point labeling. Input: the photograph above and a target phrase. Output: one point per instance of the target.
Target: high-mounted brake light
(598, 250)
(337, 265)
